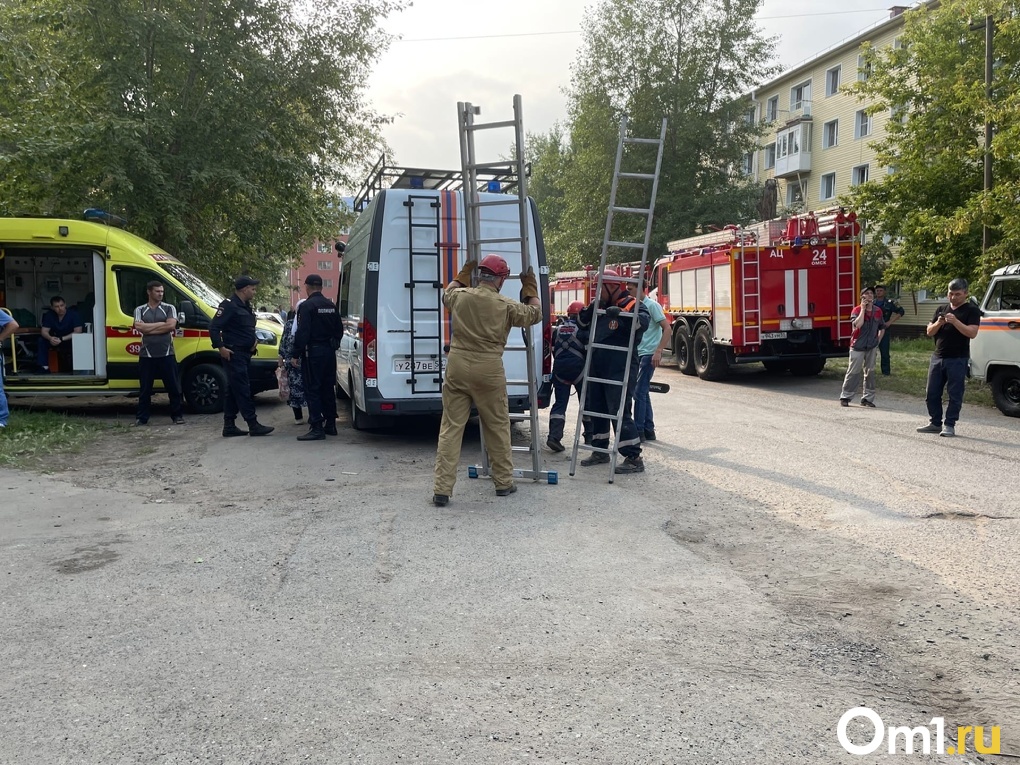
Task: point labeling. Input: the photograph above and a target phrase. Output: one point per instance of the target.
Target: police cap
(245, 281)
(313, 280)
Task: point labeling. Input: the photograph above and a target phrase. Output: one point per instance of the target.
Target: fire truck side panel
(722, 315)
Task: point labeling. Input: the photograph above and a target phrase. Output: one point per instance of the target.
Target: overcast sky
(462, 50)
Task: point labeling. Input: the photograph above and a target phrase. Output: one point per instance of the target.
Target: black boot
(315, 433)
(230, 430)
(256, 428)
(330, 428)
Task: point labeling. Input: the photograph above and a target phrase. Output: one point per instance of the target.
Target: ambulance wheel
(682, 350)
(709, 359)
(204, 388)
(1006, 391)
(807, 367)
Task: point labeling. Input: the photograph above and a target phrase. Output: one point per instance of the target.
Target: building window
(828, 190)
(748, 163)
(832, 78)
(862, 124)
(800, 96)
(322, 247)
(859, 175)
(863, 69)
(325, 265)
(898, 114)
(770, 156)
(327, 282)
(772, 109)
(795, 193)
(749, 118)
(830, 134)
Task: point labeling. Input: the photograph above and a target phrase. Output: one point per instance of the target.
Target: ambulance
(100, 270)
(406, 245)
(995, 352)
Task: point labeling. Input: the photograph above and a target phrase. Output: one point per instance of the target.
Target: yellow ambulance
(100, 272)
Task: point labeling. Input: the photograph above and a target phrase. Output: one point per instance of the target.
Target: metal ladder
(751, 301)
(846, 285)
(607, 242)
(425, 289)
(521, 244)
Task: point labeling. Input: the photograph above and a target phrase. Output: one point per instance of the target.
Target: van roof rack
(383, 176)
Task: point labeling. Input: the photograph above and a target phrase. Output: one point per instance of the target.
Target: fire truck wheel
(807, 367)
(1006, 391)
(709, 359)
(683, 350)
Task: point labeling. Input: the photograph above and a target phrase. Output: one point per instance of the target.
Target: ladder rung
(637, 210)
(639, 176)
(518, 382)
(520, 417)
(610, 347)
(635, 245)
(641, 140)
(488, 126)
(506, 240)
(605, 382)
(495, 202)
(521, 449)
(492, 165)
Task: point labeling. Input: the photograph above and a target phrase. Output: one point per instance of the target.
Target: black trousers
(318, 367)
(238, 398)
(164, 367)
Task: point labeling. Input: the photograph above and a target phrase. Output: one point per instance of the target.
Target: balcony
(793, 164)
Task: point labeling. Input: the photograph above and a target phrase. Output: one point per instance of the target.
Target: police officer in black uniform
(315, 343)
(233, 334)
(568, 366)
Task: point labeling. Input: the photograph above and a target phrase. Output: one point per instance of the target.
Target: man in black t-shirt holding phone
(953, 327)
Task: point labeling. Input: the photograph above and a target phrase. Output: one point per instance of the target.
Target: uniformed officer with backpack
(568, 368)
(315, 343)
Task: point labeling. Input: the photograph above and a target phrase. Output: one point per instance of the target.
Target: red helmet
(576, 307)
(495, 265)
(612, 276)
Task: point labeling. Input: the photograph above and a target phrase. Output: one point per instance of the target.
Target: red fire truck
(567, 286)
(779, 292)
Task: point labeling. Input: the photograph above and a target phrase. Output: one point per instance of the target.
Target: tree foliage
(219, 130)
(934, 204)
(686, 60)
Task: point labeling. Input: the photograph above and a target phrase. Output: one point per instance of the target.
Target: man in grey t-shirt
(157, 322)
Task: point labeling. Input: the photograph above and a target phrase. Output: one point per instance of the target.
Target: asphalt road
(176, 597)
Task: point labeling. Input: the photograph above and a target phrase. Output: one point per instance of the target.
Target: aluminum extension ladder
(607, 243)
(521, 245)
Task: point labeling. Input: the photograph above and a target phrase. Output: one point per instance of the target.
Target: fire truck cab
(779, 292)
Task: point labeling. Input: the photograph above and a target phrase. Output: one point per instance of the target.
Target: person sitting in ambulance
(59, 325)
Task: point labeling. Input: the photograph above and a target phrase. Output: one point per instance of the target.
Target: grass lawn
(909, 360)
(31, 436)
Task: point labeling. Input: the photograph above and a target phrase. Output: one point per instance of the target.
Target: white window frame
(322, 247)
(770, 155)
(829, 178)
(862, 124)
(863, 69)
(788, 142)
(802, 187)
(832, 89)
(324, 265)
(856, 173)
(772, 109)
(802, 93)
(835, 134)
(747, 163)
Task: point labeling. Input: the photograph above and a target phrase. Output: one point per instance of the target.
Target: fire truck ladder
(607, 243)
(425, 291)
(750, 273)
(520, 244)
(846, 285)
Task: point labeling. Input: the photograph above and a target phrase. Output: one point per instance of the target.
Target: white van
(403, 250)
(995, 352)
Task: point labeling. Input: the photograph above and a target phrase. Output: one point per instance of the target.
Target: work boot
(931, 427)
(554, 444)
(315, 433)
(230, 430)
(649, 435)
(597, 458)
(631, 465)
(330, 428)
(440, 500)
(256, 428)
(587, 439)
(507, 491)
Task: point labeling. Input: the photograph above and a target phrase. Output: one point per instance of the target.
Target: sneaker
(330, 430)
(844, 402)
(440, 500)
(258, 429)
(598, 458)
(931, 427)
(631, 465)
(554, 444)
(865, 402)
(231, 430)
(649, 435)
(178, 420)
(948, 431)
(313, 434)
(139, 423)
(507, 491)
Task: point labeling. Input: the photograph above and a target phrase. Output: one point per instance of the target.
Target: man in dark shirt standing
(157, 321)
(953, 327)
(891, 312)
(315, 343)
(232, 333)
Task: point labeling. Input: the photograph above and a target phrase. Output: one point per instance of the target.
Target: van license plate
(773, 335)
(427, 365)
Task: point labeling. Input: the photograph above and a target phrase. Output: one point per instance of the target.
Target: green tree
(221, 131)
(688, 61)
(933, 203)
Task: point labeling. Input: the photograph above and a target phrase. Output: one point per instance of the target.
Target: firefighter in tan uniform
(482, 319)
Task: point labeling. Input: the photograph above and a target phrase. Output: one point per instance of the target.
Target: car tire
(683, 350)
(1006, 391)
(205, 388)
(710, 360)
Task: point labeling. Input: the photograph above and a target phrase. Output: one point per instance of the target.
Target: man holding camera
(868, 328)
